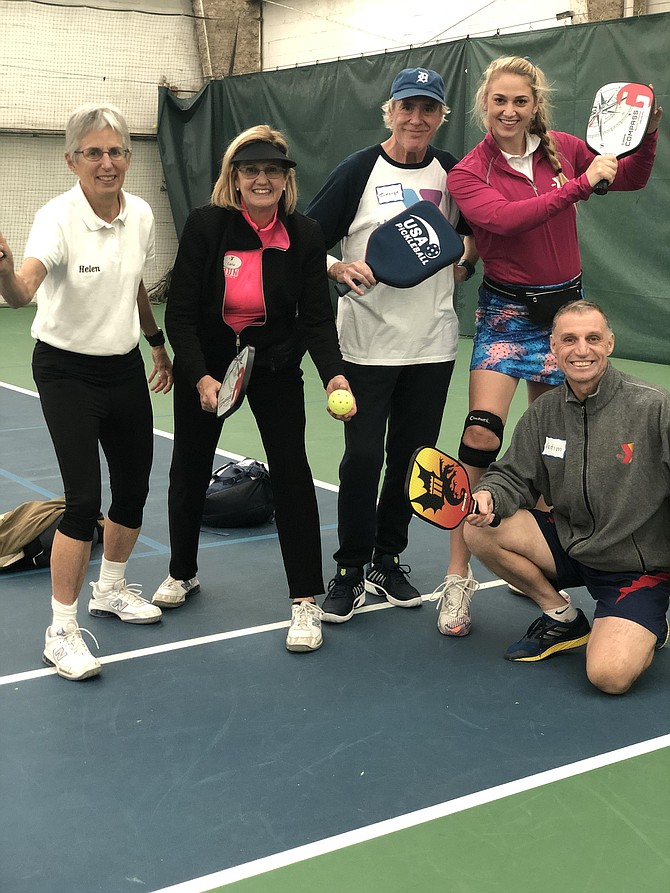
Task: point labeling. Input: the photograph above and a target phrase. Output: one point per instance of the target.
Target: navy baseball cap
(418, 82)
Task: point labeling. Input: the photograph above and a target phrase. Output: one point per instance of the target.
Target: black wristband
(470, 267)
(157, 339)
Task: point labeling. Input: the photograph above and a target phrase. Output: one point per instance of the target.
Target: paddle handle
(342, 288)
(601, 187)
(475, 511)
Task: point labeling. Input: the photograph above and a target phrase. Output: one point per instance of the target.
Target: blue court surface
(204, 745)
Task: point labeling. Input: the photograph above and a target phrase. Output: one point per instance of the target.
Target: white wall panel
(55, 58)
(33, 171)
(320, 30)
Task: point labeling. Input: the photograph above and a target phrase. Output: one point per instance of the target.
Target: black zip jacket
(299, 313)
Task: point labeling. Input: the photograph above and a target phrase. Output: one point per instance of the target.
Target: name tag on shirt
(554, 447)
(231, 266)
(390, 193)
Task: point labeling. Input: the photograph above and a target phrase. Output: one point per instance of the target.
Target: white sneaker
(454, 595)
(304, 633)
(68, 653)
(172, 593)
(125, 602)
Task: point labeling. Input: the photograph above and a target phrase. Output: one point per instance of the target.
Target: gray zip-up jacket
(604, 466)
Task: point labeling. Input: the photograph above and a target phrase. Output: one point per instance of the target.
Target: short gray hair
(91, 117)
(581, 307)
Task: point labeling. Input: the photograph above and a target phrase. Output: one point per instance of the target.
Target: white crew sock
(564, 615)
(110, 573)
(62, 615)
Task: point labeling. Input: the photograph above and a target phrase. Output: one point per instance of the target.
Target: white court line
(411, 819)
(200, 640)
(174, 646)
(13, 387)
(324, 485)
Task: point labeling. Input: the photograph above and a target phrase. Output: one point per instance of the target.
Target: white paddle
(618, 121)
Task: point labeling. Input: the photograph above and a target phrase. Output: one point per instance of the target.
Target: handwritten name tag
(390, 193)
(554, 447)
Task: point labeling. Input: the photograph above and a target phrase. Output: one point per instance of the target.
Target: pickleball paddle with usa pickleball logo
(411, 247)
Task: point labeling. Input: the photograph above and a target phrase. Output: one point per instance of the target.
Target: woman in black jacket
(250, 270)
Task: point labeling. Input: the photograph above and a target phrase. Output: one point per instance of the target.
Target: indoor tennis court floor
(206, 756)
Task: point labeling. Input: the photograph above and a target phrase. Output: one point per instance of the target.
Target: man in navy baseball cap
(398, 344)
(418, 82)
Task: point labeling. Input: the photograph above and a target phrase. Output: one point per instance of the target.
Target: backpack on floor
(27, 533)
(239, 495)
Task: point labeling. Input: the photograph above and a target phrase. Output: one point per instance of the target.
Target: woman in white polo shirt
(87, 250)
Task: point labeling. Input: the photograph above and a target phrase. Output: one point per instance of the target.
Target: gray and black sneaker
(345, 594)
(387, 578)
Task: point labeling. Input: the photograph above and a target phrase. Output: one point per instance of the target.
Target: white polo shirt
(88, 302)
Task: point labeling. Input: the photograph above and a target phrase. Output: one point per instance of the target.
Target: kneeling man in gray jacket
(597, 448)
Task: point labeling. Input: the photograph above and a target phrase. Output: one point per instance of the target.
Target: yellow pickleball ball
(340, 402)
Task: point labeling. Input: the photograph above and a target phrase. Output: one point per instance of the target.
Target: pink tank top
(244, 301)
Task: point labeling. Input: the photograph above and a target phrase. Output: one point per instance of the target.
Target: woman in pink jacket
(518, 190)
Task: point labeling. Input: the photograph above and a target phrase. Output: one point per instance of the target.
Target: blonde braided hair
(537, 82)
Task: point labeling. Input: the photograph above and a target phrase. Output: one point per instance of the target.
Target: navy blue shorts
(641, 598)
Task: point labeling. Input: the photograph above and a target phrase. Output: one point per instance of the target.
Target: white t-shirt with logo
(88, 302)
(389, 326)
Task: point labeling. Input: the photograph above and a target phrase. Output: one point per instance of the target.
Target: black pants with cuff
(90, 402)
(277, 402)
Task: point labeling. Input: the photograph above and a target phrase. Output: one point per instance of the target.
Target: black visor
(261, 150)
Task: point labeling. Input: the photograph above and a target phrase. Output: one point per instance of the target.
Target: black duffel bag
(239, 495)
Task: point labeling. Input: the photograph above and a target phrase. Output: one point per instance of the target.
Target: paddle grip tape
(475, 457)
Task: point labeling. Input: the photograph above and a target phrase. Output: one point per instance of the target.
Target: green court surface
(603, 831)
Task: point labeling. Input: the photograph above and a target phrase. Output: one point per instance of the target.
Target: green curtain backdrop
(329, 110)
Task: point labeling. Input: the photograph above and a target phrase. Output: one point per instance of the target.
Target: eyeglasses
(92, 153)
(271, 171)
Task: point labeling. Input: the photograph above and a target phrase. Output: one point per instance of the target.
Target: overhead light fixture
(569, 14)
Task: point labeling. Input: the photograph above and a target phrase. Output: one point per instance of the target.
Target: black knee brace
(481, 458)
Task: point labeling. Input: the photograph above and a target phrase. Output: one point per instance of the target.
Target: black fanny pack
(541, 304)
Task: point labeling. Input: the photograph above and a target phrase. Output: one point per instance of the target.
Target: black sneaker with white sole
(345, 594)
(387, 578)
